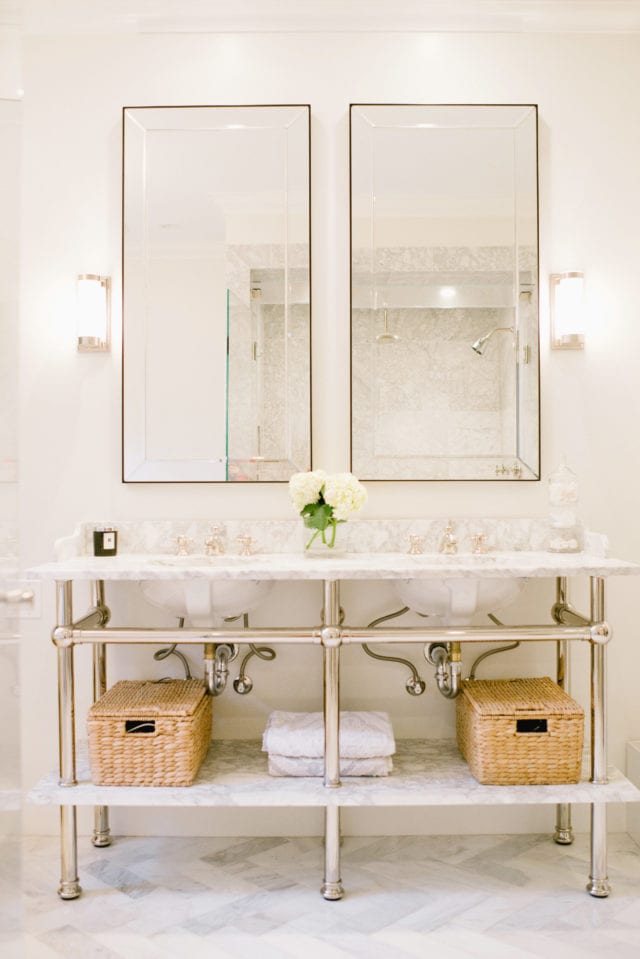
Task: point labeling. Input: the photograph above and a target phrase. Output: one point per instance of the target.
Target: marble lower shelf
(234, 773)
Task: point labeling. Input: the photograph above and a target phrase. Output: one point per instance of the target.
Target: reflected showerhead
(481, 344)
(385, 336)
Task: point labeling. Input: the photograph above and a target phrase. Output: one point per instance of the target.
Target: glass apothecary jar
(566, 534)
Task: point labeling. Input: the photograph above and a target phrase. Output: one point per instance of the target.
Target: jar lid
(563, 473)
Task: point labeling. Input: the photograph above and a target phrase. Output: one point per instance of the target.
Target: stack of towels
(295, 744)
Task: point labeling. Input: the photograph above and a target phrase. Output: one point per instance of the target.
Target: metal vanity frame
(93, 629)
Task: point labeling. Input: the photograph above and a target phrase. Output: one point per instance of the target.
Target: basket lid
(178, 697)
(505, 697)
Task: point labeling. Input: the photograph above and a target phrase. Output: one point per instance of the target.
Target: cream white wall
(70, 461)
(10, 137)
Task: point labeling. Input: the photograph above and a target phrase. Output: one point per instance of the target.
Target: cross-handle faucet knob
(183, 543)
(214, 543)
(479, 543)
(448, 543)
(416, 545)
(246, 545)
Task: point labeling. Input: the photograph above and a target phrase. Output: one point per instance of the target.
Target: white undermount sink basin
(453, 602)
(204, 602)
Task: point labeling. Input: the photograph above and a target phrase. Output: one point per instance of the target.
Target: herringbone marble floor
(504, 897)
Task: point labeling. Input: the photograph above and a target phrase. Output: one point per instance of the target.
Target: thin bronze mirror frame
(220, 106)
(531, 479)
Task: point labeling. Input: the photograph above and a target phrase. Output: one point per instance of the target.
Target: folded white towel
(304, 766)
(362, 735)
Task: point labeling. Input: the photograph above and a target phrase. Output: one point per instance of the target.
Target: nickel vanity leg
(563, 834)
(331, 645)
(598, 884)
(69, 885)
(332, 886)
(101, 831)
(331, 639)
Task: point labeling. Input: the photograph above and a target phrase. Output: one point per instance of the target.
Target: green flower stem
(334, 527)
(313, 537)
(329, 543)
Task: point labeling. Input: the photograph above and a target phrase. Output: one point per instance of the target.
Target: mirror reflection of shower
(386, 336)
(481, 343)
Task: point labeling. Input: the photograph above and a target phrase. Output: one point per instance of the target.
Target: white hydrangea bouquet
(324, 500)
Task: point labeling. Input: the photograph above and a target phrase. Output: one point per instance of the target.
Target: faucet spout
(214, 544)
(448, 543)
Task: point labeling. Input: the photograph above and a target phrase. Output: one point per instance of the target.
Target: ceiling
(53, 17)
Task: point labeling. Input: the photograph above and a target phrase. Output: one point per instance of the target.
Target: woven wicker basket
(149, 733)
(519, 731)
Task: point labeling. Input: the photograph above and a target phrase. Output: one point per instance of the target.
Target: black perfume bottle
(105, 541)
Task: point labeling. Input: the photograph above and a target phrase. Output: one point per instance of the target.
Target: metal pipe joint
(62, 636)
(217, 657)
(601, 633)
(446, 658)
(331, 636)
(96, 618)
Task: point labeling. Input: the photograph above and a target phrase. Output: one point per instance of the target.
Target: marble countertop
(368, 549)
(349, 566)
(425, 773)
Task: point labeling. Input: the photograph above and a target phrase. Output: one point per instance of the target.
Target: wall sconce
(567, 313)
(94, 313)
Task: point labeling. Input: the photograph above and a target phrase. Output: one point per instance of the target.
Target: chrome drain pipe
(446, 659)
(216, 666)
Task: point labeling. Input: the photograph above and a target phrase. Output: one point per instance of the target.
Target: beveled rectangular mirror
(216, 293)
(444, 292)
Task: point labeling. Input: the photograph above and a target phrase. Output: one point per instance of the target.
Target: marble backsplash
(288, 536)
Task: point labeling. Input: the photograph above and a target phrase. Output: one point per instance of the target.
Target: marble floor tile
(74, 943)
(446, 945)
(164, 946)
(332, 946)
(32, 948)
(130, 946)
(463, 897)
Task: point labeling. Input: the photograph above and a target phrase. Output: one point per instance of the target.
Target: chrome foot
(564, 837)
(70, 890)
(332, 890)
(101, 839)
(600, 888)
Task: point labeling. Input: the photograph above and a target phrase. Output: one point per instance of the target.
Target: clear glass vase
(322, 543)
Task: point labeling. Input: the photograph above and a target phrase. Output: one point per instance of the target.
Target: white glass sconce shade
(567, 312)
(94, 313)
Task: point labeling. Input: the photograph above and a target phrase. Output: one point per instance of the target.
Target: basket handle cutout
(140, 726)
(531, 725)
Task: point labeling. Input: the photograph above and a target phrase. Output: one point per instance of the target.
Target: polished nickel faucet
(448, 543)
(214, 543)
